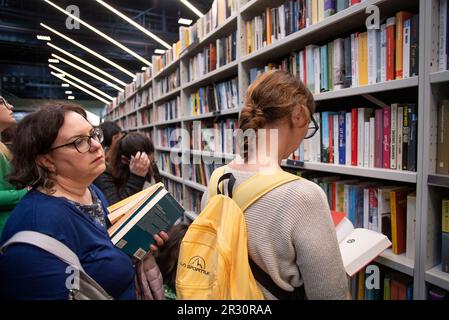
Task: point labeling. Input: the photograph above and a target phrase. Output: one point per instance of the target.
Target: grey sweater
(292, 238)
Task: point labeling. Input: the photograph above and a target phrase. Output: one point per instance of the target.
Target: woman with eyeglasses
(131, 167)
(9, 196)
(58, 154)
(291, 236)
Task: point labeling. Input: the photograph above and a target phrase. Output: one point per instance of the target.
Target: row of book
(174, 188)
(437, 294)
(219, 12)
(145, 117)
(217, 137)
(200, 173)
(293, 15)
(442, 166)
(170, 55)
(443, 41)
(166, 164)
(363, 58)
(382, 138)
(445, 236)
(387, 209)
(168, 83)
(193, 201)
(217, 97)
(169, 110)
(215, 55)
(392, 285)
(168, 137)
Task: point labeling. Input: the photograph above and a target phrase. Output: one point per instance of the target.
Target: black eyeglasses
(313, 128)
(83, 144)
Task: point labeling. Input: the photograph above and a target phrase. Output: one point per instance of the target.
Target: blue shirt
(28, 272)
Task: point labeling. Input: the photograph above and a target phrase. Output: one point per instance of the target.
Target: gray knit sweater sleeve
(292, 238)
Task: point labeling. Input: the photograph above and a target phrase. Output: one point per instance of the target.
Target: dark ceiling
(24, 59)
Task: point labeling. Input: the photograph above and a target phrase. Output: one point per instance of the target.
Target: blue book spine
(301, 152)
(325, 137)
(409, 292)
(329, 7)
(352, 207)
(295, 16)
(342, 5)
(342, 137)
(323, 72)
(359, 207)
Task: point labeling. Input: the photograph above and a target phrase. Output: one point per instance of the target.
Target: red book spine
(353, 2)
(391, 49)
(386, 138)
(378, 142)
(331, 138)
(354, 135)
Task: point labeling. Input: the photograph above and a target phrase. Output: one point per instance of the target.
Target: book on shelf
(437, 294)
(358, 247)
(169, 110)
(443, 43)
(168, 83)
(136, 219)
(445, 236)
(170, 55)
(411, 227)
(442, 166)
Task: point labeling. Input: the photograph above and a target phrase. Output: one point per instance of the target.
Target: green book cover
(330, 65)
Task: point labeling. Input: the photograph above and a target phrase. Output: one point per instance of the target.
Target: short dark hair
(35, 136)
(110, 129)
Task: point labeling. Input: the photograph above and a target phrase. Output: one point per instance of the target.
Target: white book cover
(372, 56)
(372, 138)
(317, 141)
(400, 134)
(282, 21)
(336, 144)
(317, 68)
(306, 149)
(383, 53)
(339, 64)
(411, 227)
(366, 145)
(406, 52)
(348, 138)
(346, 201)
(393, 135)
(301, 66)
(359, 247)
(366, 208)
(442, 61)
(310, 68)
(355, 59)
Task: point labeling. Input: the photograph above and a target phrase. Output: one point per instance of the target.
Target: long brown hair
(128, 146)
(272, 97)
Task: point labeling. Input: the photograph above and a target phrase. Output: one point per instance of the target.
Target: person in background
(9, 196)
(8, 135)
(111, 133)
(131, 166)
(167, 258)
(291, 236)
(58, 153)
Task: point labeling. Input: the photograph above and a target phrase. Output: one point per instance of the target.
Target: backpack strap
(214, 181)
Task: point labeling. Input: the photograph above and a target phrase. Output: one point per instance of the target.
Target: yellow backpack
(213, 261)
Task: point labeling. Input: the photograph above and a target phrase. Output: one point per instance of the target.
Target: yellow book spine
(320, 10)
(361, 289)
(445, 214)
(363, 59)
(315, 11)
(394, 236)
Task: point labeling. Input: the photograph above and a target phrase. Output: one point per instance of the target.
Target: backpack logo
(196, 264)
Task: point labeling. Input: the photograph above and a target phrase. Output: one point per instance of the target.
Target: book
(443, 138)
(445, 236)
(358, 247)
(390, 48)
(147, 213)
(401, 17)
(398, 206)
(414, 46)
(411, 227)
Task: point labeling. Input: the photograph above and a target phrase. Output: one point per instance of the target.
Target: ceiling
(24, 71)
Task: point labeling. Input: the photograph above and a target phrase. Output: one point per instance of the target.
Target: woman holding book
(291, 236)
(131, 167)
(58, 154)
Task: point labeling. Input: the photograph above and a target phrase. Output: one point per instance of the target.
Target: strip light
(159, 51)
(86, 63)
(93, 75)
(53, 60)
(70, 98)
(191, 7)
(133, 23)
(81, 81)
(105, 36)
(68, 92)
(65, 85)
(79, 87)
(186, 22)
(89, 50)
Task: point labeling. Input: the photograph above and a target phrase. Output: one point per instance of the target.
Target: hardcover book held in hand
(358, 247)
(136, 219)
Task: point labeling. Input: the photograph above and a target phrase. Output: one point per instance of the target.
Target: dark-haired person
(291, 236)
(9, 196)
(58, 153)
(130, 166)
(111, 134)
(8, 135)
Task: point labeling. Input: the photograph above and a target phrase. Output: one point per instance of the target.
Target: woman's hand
(139, 164)
(160, 239)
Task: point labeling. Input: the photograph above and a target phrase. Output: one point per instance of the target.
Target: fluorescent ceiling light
(89, 50)
(86, 63)
(144, 68)
(80, 87)
(135, 24)
(159, 51)
(68, 92)
(93, 75)
(184, 21)
(44, 38)
(53, 60)
(105, 36)
(66, 74)
(64, 85)
(191, 7)
(71, 98)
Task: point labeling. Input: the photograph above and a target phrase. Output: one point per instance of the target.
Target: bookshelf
(430, 85)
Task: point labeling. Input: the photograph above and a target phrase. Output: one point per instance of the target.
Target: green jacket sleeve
(9, 198)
